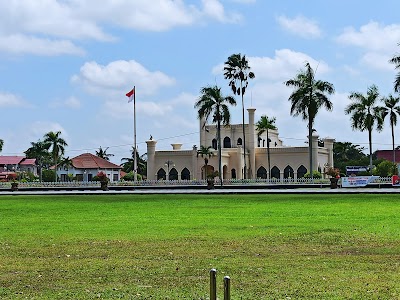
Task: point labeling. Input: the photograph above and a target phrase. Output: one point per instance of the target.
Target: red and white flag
(131, 95)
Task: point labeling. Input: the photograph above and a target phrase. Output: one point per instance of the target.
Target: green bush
(316, 175)
(384, 169)
(48, 175)
(130, 177)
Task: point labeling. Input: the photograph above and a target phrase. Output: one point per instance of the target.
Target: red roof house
(86, 166)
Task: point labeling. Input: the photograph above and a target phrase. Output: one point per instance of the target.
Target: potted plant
(14, 183)
(211, 180)
(335, 175)
(103, 180)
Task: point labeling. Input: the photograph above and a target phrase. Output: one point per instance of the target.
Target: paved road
(215, 191)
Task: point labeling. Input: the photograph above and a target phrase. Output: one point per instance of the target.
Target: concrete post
(151, 156)
(251, 144)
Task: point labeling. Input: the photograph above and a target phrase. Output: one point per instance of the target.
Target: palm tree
(102, 153)
(391, 109)
(263, 125)
(205, 152)
(40, 151)
(128, 162)
(365, 114)
(396, 60)
(237, 70)
(57, 145)
(212, 102)
(308, 97)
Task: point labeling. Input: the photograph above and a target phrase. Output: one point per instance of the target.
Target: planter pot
(334, 182)
(14, 186)
(210, 184)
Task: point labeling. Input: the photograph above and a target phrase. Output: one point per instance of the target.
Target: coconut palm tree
(212, 103)
(102, 153)
(365, 114)
(57, 145)
(391, 109)
(396, 60)
(237, 71)
(129, 162)
(263, 125)
(40, 151)
(308, 97)
(206, 153)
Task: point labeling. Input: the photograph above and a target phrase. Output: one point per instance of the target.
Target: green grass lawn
(163, 246)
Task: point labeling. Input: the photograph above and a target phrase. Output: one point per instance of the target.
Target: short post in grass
(213, 284)
(227, 288)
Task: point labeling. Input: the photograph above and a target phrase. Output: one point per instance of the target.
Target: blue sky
(66, 65)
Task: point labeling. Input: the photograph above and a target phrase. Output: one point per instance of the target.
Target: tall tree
(129, 162)
(1, 145)
(365, 114)
(40, 151)
(57, 145)
(102, 153)
(391, 109)
(396, 61)
(263, 125)
(308, 97)
(237, 71)
(212, 103)
(206, 153)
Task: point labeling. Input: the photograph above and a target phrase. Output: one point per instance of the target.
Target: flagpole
(134, 135)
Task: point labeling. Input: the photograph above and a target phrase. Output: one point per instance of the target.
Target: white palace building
(286, 162)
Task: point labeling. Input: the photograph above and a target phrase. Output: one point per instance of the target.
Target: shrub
(131, 177)
(48, 175)
(316, 175)
(384, 169)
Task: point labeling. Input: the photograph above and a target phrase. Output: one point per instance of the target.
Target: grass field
(163, 246)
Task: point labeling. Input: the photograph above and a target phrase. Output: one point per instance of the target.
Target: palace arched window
(301, 171)
(173, 174)
(275, 172)
(214, 144)
(262, 173)
(288, 172)
(227, 142)
(185, 174)
(161, 174)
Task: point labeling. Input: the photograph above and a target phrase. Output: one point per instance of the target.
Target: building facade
(285, 161)
(85, 166)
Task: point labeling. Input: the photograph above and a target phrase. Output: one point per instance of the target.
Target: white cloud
(378, 42)
(116, 77)
(47, 27)
(300, 26)
(22, 44)
(372, 36)
(10, 100)
(215, 10)
(284, 65)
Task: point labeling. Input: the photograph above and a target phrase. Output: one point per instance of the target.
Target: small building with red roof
(14, 164)
(85, 166)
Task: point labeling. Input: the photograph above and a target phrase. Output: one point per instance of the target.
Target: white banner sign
(357, 181)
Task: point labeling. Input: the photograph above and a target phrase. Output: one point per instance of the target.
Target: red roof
(11, 160)
(90, 161)
(28, 161)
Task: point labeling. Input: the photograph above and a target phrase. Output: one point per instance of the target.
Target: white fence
(229, 182)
